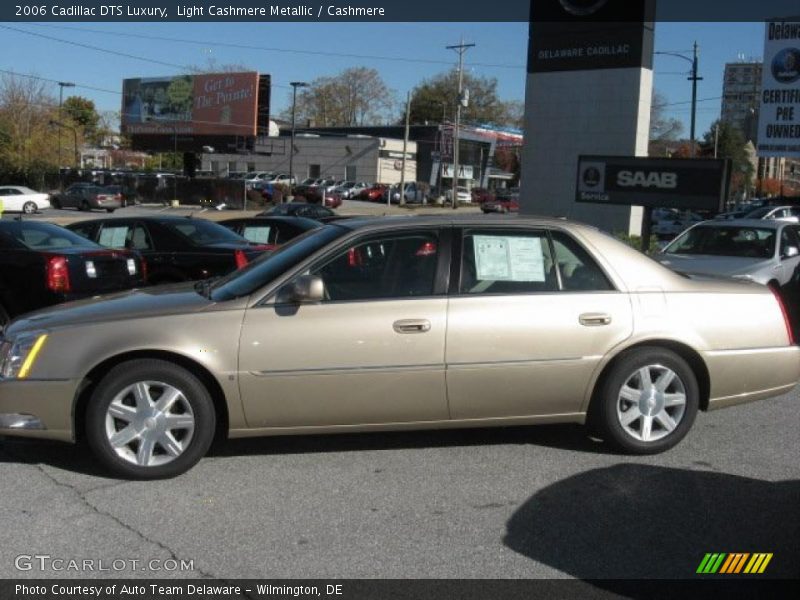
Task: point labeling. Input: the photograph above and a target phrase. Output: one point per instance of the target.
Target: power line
(276, 49)
(56, 81)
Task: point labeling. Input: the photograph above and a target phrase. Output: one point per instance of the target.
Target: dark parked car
(88, 197)
(301, 209)
(270, 231)
(175, 248)
(42, 264)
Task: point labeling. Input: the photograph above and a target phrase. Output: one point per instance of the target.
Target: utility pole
(461, 49)
(61, 86)
(295, 85)
(405, 147)
(694, 79)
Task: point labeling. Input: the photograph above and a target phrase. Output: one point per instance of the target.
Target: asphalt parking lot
(504, 503)
(348, 208)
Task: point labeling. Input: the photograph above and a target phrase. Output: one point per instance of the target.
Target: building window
(232, 166)
(251, 166)
(314, 171)
(350, 172)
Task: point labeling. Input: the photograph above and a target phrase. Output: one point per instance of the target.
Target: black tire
(29, 208)
(128, 373)
(55, 203)
(605, 419)
(110, 210)
(84, 206)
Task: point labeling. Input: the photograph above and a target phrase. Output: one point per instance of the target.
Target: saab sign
(699, 184)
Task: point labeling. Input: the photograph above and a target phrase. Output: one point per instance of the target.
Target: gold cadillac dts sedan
(398, 323)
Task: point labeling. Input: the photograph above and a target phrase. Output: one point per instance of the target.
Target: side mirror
(791, 251)
(305, 289)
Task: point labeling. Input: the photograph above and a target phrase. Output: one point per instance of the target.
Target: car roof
(469, 220)
(760, 223)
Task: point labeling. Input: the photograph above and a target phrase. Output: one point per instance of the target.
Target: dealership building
(349, 157)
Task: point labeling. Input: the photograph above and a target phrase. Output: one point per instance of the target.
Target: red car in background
(481, 195)
(373, 193)
(332, 200)
(503, 203)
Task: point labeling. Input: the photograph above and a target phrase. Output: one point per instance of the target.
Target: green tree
(730, 143)
(83, 114)
(437, 96)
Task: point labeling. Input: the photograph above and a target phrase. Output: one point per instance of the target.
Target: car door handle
(594, 319)
(412, 326)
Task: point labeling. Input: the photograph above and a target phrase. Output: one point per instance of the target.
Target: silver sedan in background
(764, 251)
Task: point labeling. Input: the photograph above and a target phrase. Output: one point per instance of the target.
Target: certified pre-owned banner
(779, 115)
(699, 184)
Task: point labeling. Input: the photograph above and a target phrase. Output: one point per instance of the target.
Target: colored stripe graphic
(733, 563)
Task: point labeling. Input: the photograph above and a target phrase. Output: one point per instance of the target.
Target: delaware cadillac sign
(699, 184)
(574, 35)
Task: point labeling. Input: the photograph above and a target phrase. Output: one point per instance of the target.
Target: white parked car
(17, 198)
(463, 195)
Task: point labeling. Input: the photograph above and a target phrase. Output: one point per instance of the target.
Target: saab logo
(664, 181)
(786, 65)
(582, 8)
(591, 177)
(735, 563)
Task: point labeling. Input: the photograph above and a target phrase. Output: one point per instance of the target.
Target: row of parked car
(42, 264)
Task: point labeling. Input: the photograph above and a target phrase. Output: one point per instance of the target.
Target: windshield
(202, 233)
(744, 242)
(759, 213)
(269, 266)
(44, 236)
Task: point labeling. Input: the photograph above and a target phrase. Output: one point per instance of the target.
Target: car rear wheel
(150, 419)
(85, 206)
(29, 208)
(110, 210)
(55, 203)
(648, 402)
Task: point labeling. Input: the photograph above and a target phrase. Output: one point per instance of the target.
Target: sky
(304, 51)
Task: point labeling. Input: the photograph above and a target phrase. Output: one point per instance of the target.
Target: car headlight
(18, 355)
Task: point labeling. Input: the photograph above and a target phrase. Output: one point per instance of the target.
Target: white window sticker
(113, 237)
(257, 234)
(502, 258)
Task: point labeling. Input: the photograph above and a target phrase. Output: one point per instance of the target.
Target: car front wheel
(648, 402)
(29, 208)
(150, 419)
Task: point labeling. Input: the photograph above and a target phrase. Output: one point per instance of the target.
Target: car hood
(150, 302)
(713, 265)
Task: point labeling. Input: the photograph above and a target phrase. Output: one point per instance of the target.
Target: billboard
(699, 184)
(185, 112)
(779, 113)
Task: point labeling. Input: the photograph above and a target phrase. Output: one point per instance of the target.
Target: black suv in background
(175, 248)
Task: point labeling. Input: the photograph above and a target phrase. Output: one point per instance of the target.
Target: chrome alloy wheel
(651, 403)
(149, 423)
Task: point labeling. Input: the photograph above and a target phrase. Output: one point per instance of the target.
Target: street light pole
(295, 85)
(694, 79)
(61, 86)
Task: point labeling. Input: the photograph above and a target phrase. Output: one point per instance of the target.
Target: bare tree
(662, 127)
(356, 96)
(28, 141)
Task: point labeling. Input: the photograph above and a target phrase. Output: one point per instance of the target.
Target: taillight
(427, 249)
(143, 267)
(58, 274)
(241, 259)
(785, 313)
